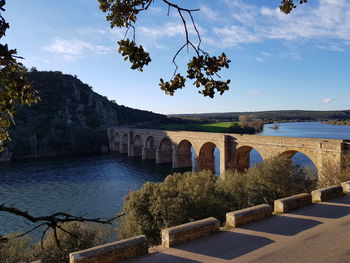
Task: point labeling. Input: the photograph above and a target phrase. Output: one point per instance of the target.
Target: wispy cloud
(234, 35)
(329, 21)
(208, 13)
(74, 48)
(327, 100)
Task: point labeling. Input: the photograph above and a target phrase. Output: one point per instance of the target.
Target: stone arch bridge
(175, 147)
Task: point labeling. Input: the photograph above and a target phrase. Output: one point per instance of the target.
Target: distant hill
(70, 118)
(272, 116)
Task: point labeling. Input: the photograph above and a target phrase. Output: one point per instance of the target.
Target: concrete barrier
(193, 230)
(112, 252)
(346, 187)
(326, 193)
(247, 215)
(293, 202)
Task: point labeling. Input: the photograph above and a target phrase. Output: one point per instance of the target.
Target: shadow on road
(225, 245)
(160, 258)
(282, 225)
(324, 211)
(345, 199)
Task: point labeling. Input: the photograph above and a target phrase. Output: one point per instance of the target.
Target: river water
(95, 186)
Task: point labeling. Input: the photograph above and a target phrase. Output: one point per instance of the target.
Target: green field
(221, 127)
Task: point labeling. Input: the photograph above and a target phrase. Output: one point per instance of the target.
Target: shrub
(234, 190)
(332, 176)
(276, 178)
(89, 236)
(15, 250)
(182, 198)
(179, 199)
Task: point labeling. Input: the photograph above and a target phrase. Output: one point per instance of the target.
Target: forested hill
(271, 116)
(69, 119)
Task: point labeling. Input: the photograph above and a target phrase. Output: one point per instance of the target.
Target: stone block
(346, 187)
(193, 230)
(112, 252)
(292, 202)
(244, 216)
(326, 193)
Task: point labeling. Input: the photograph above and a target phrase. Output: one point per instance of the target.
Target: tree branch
(54, 221)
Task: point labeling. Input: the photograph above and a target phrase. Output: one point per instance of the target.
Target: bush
(333, 176)
(179, 199)
(182, 198)
(276, 178)
(233, 189)
(15, 250)
(89, 236)
(273, 179)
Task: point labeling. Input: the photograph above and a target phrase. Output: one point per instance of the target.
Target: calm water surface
(95, 186)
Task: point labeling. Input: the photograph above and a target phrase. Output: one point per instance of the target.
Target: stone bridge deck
(314, 234)
(176, 147)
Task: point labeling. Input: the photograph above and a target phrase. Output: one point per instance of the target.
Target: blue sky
(297, 61)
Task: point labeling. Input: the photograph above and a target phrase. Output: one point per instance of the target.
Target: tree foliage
(14, 87)
(179, 199)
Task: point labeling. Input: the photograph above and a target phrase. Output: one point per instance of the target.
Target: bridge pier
(135, 150)
(123, 148)
(163, 157)
(182, 160)
(148, 154)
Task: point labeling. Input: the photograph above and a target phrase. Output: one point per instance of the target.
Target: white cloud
(266, 54)
(256, 92)
(259, 59)
(332, 47)
(72, 49)
(168, 30)
(267, 11)
(209, 13)
(327, 100)
(329, 21)
(234, 35)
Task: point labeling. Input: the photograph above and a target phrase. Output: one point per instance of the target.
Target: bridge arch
(183, 155)
(303, 158)
(164, 153)
(206, 158)
(149, 149)
(242, 157)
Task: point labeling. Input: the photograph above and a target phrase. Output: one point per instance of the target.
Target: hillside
(69, 119)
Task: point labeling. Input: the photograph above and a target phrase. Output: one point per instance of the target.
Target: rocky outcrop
(70, 118)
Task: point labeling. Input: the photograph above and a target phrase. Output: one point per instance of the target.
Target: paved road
(318, 233)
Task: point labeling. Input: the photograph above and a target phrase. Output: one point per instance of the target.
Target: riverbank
(342, 123)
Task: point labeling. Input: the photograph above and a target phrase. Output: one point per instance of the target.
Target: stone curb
(112, 252)
(326, 193)
(346, 187)
(293, 202)
(247, 215)
(193, 230)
